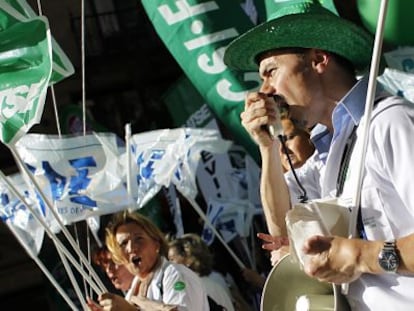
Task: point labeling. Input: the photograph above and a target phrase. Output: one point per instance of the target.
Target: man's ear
(320, 60)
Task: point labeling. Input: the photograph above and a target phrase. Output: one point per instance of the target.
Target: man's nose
(267, 88)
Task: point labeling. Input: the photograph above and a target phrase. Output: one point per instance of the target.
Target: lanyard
(346, 157)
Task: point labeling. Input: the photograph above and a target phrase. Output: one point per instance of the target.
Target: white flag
(80, 175)
(230, 217)
(171, 156)
(15, 213)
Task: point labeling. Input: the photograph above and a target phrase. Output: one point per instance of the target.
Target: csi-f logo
(146, 163)
(199, 39)
(73, 185)
(18, 100)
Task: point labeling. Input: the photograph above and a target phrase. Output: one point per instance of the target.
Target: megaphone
(288, 288)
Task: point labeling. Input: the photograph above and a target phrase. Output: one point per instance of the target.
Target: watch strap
(389, 258)
(390, 245)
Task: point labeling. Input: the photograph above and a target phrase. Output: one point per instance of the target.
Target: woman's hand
(277, 255)
(110, 302)
(278, 246)
(272, 243)
(147, 304)
(92, 305)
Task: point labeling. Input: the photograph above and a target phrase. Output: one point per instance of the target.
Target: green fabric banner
(272, 5)
(196, 34)
(15, 11)
(25, 67)
(182, 100)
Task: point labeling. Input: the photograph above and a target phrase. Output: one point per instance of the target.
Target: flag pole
(200, 212)
(128, 160)
(42, 267)
(50, 233)
(369, 104)
(71, 277)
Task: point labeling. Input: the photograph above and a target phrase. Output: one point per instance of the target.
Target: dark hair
(99, 256)
(300, 51)
(342, 61)
(197, 255)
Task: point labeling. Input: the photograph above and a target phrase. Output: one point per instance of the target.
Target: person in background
(191, 251)
(310, 57)
(134, 241)
(297, 145)
(119, 275)
(254, 278)
(298, 150)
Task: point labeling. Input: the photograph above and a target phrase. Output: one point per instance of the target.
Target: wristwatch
(388, 258)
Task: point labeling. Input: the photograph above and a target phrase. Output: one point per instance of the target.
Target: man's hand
(260, 112)
(334, 259)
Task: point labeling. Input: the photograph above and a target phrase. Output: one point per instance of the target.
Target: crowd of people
(191, 251)
(126, 269)
(313, 68)
(135, 242)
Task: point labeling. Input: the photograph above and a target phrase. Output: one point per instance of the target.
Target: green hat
(301, 24)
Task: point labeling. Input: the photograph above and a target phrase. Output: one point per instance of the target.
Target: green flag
(182, 100)
(25, 67)
(13, 11)
(197, 34)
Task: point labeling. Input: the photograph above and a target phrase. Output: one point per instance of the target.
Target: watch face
(389, 261)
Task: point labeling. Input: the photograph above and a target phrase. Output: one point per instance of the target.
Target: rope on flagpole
(83, 65)
(52, 89)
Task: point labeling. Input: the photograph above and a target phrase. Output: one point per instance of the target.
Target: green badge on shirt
(179, 286)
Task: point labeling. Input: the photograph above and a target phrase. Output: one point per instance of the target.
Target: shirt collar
(349, 107)
(321, 138)
(351, 102)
